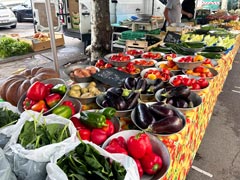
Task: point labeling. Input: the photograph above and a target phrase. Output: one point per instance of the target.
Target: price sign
(172, 37)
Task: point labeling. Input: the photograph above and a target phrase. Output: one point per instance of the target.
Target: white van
(73, 16)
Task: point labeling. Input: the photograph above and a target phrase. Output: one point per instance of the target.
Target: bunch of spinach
(7, 117)
(34, 135)
(85, 162)
(12, 47)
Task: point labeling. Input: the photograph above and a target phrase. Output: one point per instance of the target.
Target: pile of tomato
(144, 62)
(134, 52)
(200, 71)
(120, 57)
(170, 65)
(189, 59)
(152, 55)
(194, 84)
(129, 68)
(101, 64)
(153, 74)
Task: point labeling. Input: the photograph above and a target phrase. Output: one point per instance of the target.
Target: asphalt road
(219, 152)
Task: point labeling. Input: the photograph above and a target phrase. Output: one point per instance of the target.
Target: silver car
(7, 17)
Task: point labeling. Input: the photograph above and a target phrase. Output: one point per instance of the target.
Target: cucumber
(193, 44)
(210, 55)
(214, 49)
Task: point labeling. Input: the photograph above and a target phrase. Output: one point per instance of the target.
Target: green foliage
(12, 47)
(7, 117)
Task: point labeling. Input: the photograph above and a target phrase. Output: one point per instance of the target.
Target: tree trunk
(100, 29)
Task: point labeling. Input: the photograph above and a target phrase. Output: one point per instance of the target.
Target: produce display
(83, 72)
(35, 135)
(16, 85)
(152, 55)
(130, 68)
(96, 126)
(192, 83)
(120, 57)
(170, 65)
(101, 64)
(154, 73)
(146, 159)
(7, 117)
(12, 47)
(85, 162)
(143, 62)
(200, 71)
(134, 52)
(84, 91)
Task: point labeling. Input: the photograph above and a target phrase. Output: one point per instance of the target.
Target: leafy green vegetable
(7, 117)
(85, 162)
(34, 135)
(12, 47)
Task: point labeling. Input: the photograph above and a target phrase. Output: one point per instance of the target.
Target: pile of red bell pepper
(139, 147)
(95, 126)
(42, 97)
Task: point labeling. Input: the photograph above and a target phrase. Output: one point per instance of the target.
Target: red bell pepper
(138, 141)
(139, 166)
(147, 142)
(120, 141)
(71, 105)
(28, 103)
(52, 99)
(85, 134)
(78, 125)
(40, 106)
(115, 148)
(151, 163)
(37, 91)
(109, 128)
(98, 136)
(49, 87)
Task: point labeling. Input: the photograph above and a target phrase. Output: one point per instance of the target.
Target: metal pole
(52, 35)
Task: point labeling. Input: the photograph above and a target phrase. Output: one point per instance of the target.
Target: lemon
(152, 76)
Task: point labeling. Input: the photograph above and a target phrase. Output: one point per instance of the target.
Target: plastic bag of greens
(120, 160)
(35, 140)
(5, 168)
(8, 117)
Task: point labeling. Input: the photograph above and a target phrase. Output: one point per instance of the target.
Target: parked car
(23, 11)
(7, 17)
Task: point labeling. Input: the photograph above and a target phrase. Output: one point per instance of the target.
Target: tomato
(209, 74)
(199, 69)
(107, 65)
(186, 81)
(176, 82)
(196, 86)
(164, 70)
(202, 82)
(193, 81)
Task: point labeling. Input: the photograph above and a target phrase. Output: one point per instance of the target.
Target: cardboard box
(40, 44)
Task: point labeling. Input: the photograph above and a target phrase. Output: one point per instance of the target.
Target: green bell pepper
(109, 112)
(93, 119)
(60, 89)
(64, 111)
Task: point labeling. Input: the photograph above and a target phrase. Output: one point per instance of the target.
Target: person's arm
(166, 15)
(189, 15)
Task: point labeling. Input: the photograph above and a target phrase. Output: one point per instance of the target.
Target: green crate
(133, 35)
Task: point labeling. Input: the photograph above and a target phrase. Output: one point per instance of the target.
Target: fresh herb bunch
(12, 47)
(7, 117)
(85, 162)
(34, 135)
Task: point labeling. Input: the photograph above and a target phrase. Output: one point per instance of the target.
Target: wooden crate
(179, 30)
(39, 45)
(134, 44)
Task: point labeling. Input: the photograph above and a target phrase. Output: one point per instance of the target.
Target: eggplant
(130, 83)
(168, 125)
(116, 90)
(141, 84)
(159, 84)
(180, 91)
(132, 100)
(116, 101)
(181, 103)
(143, 117)
(160, 112)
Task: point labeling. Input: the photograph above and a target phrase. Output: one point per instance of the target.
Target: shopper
(188, 9)
(172, 12)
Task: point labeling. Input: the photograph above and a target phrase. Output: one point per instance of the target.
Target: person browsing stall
(188, 8)
(172, 12)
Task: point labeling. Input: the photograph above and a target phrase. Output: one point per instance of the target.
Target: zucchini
(214, 49)
(211, 55)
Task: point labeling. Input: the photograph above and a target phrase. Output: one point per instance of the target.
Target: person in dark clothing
(188, 8)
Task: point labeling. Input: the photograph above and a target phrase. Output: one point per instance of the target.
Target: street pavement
(218, 157)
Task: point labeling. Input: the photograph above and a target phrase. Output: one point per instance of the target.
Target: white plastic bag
(55, 172)
(6, 132)
(31, 164)
(5, 169)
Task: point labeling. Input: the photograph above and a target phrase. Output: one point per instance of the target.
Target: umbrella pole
(52, 35)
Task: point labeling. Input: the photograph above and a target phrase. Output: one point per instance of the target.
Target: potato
(97, 92)
(74, 93)
(76, 87)
(84, 90)
(78, 72)
(92, 89)
(86, 95)
(91, 84)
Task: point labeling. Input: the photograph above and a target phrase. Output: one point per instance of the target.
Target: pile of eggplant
(119, 99)
(158, 118)
(142, 85)
(176, 96)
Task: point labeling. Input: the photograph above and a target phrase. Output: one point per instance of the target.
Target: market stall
(181, 144)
